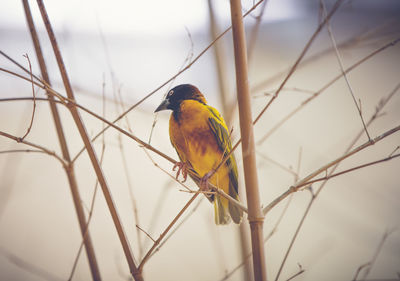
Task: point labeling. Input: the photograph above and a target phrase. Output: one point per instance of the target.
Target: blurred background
(125, 50)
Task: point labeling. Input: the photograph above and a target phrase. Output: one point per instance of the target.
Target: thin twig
(301, 270)
(307, 179)
(326, 86)
(42, 148)
(353, 40)
(73, 185)
(220, 64)
(29, 267)
(89, 147)
(25, 99)
(164, 233)
(254, 32)
(21, 150)
(302, 54)
(379, 107)
(328, 177)
(172, 232)
(340, 61)
(171, 78)
(34, 99)
(371, 263)
(148, 235)
(96, 187)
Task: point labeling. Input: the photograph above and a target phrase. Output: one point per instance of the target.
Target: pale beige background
(37, 220)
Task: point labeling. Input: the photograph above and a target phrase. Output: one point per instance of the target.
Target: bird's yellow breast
(194, 140)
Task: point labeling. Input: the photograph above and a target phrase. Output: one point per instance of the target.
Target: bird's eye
(170, 93)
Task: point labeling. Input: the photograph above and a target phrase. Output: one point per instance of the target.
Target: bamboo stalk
(89, 147)
(255, 215)
(94, 269)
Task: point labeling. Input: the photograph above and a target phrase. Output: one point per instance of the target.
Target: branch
(380, 106)
(89, 147)
(326, 86)
(324, 168)
(342, 68)
(302, 54)
(41, 148)
(73, 185)
(29, 267)
(173, 77)
(369, 264)
(327, 177)
(34, 100)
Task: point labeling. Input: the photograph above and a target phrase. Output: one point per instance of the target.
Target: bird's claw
(182, 168)
(204, 182)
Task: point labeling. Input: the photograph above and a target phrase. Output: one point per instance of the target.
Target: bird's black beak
(163, 106)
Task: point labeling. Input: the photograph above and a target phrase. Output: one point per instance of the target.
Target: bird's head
(179, 94)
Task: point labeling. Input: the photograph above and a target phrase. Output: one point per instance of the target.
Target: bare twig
(326, 86)
(64, 147)
(34, 99)
(380, 106)
(148, 235)
(339, 58)
(327, 177)
(368, 266)
(254, 31)
(25, 99)
(174, 76)
(89, 147)
(21, 150)
(71, 103)
(219, 58)
(308, 178)
(86, 228)
(276, 163)
(164, 233)
(292, 70)
(41, 148)
(29, 267)
(352, 41)
(301, 270)
(171, 233)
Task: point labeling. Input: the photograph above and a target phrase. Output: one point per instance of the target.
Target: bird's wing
(220, 130)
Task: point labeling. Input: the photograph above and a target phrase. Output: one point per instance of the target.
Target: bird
(200, 137)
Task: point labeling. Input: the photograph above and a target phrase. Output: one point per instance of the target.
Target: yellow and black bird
(200, 137)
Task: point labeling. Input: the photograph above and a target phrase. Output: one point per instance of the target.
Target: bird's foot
(204, 183)
(182, 168)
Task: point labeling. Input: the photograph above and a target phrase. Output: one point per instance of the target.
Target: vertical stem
(89, 147)
(220, 65)
(256, 217)
(64, 148)
(227, 112)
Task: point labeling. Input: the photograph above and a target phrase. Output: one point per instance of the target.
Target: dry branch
(34, 99)
(87, 241)
(305, 50)
(173, 77)
(41, 148)
(379, 107)
(307, 180)
(255, 216)
(326, 86)
(340, 61)
(89, 147)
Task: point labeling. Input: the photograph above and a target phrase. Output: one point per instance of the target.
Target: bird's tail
(225, 210)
